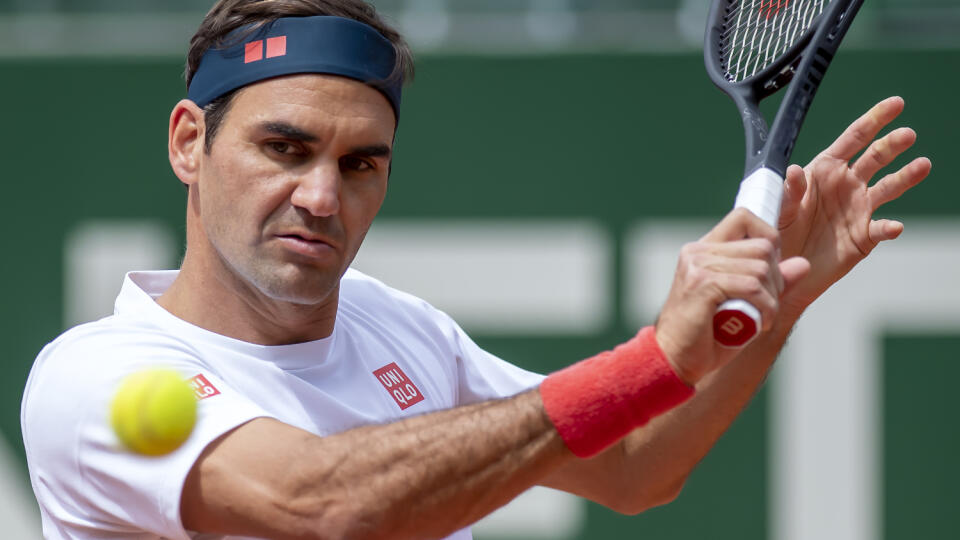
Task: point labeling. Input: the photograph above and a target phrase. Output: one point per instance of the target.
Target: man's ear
(185, 140)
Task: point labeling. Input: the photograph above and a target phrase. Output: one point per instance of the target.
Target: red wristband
(594, 403)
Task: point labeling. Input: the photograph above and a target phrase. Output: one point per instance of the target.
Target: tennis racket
(753, 49)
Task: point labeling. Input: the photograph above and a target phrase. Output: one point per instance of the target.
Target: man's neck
(221, 302)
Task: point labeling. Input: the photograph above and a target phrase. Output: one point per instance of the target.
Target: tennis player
(334, 406)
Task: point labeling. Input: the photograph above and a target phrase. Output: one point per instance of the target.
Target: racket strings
(757, 32)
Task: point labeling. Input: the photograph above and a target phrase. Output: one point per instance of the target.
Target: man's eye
(355, 164)
(281, 147)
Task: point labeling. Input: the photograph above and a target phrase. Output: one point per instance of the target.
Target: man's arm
(827, 219)
(650, 466)
(423, 477)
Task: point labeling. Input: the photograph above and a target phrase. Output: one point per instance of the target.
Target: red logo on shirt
(253, 51)
(202, 387)
(398, 385)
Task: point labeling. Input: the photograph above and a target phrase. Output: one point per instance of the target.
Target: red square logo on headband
(276, 46)
(253, 51)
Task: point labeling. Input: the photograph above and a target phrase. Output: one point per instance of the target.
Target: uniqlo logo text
(398, 385)
(275, 46)
(202, 387)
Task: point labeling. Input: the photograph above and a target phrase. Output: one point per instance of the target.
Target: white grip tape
(761, 193)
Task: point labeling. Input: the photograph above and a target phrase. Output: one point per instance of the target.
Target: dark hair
(228, 15)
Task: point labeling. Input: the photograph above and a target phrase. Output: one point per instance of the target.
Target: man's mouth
(311, 246)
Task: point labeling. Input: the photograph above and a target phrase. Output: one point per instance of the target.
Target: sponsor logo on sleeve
(399, 386)
(202, 387)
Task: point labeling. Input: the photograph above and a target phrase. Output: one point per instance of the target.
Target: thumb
(794, 188)
(793, 270)
(884, 229)
(741, 223)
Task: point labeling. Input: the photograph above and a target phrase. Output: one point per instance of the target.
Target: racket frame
(772, 148)
(801, 69)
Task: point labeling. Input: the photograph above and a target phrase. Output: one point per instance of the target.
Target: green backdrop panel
(921, 440)
(601, 137)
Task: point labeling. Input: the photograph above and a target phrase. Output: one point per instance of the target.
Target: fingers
(789, 273)
(740, 258)
(754, 281)
(753, 258)
(864, 129)
(741, 223)
(884, 229)
(744, 269)
(793, 270)
(711, 271)
(882, 152)
(895, 184)
(794, 188)
(742, 287)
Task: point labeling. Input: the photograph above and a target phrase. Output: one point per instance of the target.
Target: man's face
(293, 181)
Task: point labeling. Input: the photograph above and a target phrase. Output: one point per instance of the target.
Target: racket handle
(737, 322)
(761, 193)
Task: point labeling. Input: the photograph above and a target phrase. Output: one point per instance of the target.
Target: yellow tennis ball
(154, 411)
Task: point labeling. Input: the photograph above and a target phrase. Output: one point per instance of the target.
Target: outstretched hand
(826, 227)
(828, 206)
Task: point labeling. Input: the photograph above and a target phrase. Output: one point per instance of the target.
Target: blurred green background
(569, 127)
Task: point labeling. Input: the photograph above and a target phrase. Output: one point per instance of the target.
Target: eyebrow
(294, 133)
(372, 151)
(288, 131)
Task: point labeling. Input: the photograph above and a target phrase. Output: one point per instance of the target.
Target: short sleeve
(483, 376)
(480, 376)
(87, 484)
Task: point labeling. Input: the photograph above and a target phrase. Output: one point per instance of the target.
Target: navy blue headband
(321, 44)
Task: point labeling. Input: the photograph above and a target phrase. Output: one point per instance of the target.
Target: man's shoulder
(107, 337)
(113, 327)
(367, 299)
(359, 289)
(86, 362)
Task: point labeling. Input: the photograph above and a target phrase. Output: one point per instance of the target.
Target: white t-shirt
(391, 355)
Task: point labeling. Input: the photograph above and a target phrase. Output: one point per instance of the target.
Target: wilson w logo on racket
(753, 49)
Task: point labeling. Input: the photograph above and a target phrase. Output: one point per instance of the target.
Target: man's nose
(318, 191)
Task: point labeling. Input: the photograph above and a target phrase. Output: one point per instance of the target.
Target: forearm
(442, 472)
(648, 467)
(424, 477)
(663, 453)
